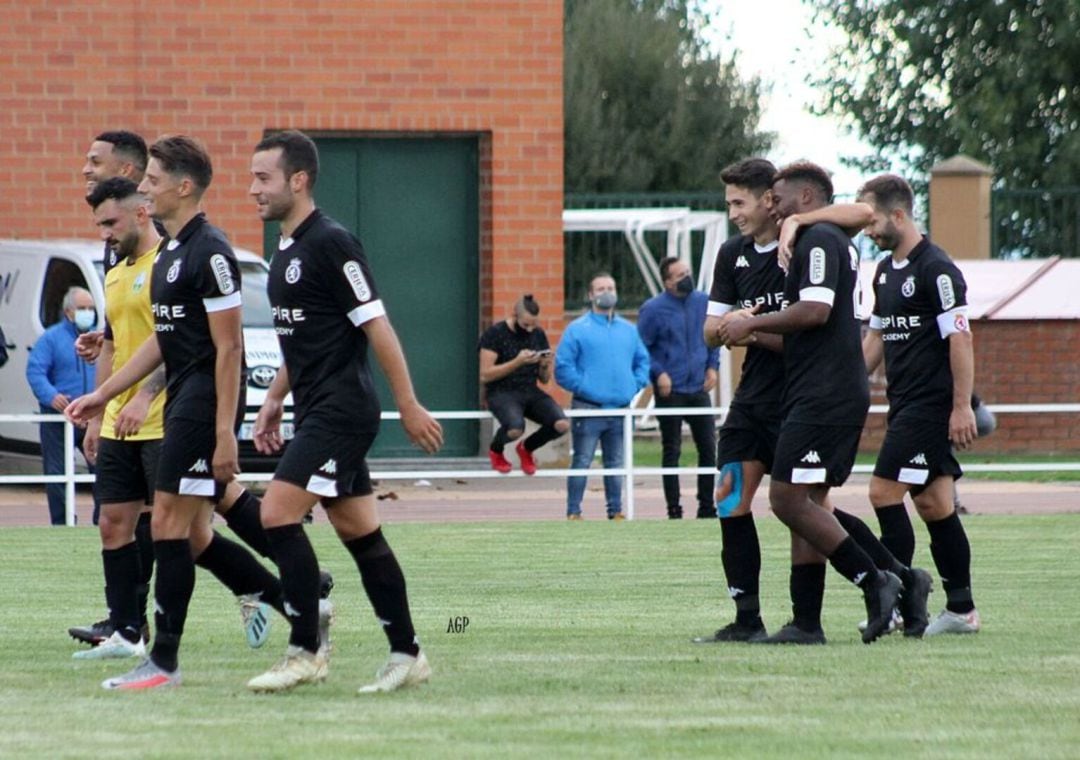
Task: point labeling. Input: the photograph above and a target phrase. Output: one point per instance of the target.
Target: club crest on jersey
(112, 257)
(219, 265)
(817, 266)
(140, 281)
(741, 262)
(908, 288)
(174, 271)
(356, 279)
(946, 292)
(292, 272)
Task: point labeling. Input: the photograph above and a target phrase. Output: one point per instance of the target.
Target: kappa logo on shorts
(811, 457)
(817, 265)
(292, 272)
(357, 280)
(199, 466)
(908, 288)
(329, 467)
(919, 458)
(174, 272)
(742, 263)
(222, 274)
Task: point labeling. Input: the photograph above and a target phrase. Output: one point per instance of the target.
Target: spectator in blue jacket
(683, 372)
(56, 376)
(602, 361)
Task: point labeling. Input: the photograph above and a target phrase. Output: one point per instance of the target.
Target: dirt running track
(519, 498)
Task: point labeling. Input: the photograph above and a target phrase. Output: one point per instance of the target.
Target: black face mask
(685, 286)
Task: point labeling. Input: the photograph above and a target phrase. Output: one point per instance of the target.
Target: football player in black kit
(327, 313)
(825, 400)
(195, 294)
(919, 327)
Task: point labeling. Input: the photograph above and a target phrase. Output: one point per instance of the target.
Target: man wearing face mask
(602, 361)
(683, 372)
(56, 376)
(514, 355)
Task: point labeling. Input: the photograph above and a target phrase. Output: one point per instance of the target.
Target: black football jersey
(745, 276)
(918, 304)
(826, 381)
(321, 293)
(193, 274)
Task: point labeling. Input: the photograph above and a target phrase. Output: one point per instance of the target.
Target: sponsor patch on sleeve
(355, 276)
(219, 265)
(946, 292)
(817, 265)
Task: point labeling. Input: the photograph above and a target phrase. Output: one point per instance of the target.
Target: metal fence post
(69, 473)
(628, 460)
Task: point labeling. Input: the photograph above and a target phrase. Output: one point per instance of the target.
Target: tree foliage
(647, 107)
(922, 80)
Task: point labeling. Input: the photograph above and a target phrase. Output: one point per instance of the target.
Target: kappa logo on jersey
(919, 458)
(908, 288)
(292, 272)
(174, 271)
(881, 280)
(811, 457)
(140, 281)
(853, 257)
(199, 466)
(356, 279)
(741, 263)
(172, 245)
(817, 266)
(330, 467)
(946, 292)
(219, 265)
(960, 322)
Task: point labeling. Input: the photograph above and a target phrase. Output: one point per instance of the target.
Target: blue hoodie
(54, 367)
(672, 328)
(602, 360)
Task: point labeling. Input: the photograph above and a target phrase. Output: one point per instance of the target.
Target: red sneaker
(528, 464)
(499, 462)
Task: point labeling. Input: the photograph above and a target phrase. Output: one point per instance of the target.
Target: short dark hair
(184, 156)
(127, 144)
(810, 173)
(115, 188)
(666, 264)
(527, 303)
(298, 153)
(597, 276)
(890, 192)
(755, 174)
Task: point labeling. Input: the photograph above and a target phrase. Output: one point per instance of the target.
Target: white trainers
(400, 671)
(296, 667)
(113, 648)
(146, 675)
(255, 616)
(897, 623)
(954, 622)
(326, 619)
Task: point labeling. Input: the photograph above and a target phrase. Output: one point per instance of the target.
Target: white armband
(717, 309)
(366, 312)
(953, 321)
(221, 303)
(818, 295)
(876, 323)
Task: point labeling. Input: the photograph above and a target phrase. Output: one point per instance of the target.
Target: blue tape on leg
(727, 505)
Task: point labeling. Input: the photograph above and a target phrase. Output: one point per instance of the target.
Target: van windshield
(253, 278)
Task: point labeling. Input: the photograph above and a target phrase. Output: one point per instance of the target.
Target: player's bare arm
(422, 429)
(142, 363)
(802, 315)
(850, 217)
(873, 348)
(226, 333)
(962, 429)
(267, 432)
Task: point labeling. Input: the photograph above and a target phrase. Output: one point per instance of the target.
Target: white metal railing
(628, 471)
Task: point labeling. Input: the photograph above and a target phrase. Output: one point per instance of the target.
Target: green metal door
(414, 204)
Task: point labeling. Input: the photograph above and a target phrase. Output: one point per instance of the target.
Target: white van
(35, 275)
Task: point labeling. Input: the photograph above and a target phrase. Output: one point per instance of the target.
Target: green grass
(647, 454)
(577, 645)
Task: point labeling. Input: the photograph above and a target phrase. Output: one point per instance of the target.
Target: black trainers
(913, 603)
(706, 513)
(674, 513)
(326, 584)
(93, 634)
(734, 632)
(880, 597)
(792, 634)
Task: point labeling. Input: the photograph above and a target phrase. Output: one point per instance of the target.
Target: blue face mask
(85, 319)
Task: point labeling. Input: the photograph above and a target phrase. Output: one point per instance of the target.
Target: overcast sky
(777, 42)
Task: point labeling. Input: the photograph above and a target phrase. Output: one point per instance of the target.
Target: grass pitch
(577, 645)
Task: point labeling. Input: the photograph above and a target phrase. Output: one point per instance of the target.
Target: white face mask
(85, 319)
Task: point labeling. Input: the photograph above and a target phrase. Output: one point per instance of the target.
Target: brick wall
(225, 72)
(1019, 362)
